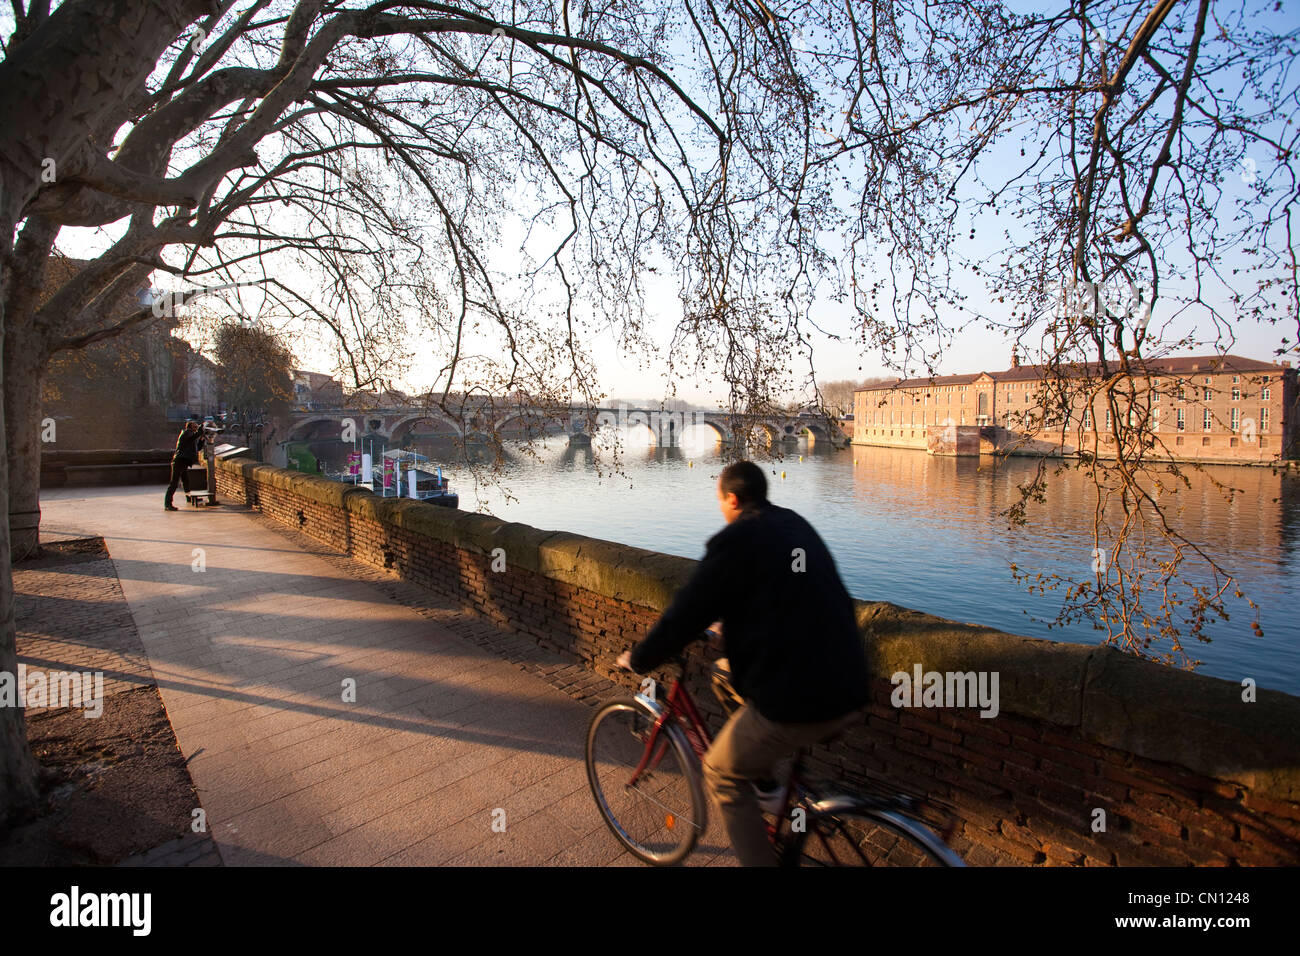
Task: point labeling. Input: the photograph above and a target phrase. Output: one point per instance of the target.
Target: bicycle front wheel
(859, 835)
(659, 813)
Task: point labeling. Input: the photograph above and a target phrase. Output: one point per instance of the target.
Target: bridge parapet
(666, 426)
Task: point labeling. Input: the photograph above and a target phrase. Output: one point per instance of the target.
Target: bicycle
(644, 754)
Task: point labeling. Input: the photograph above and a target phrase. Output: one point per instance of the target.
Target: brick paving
(73, 616)
(193, 849)
(333, 714)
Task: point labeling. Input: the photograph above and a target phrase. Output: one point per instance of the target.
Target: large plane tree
(358, 163)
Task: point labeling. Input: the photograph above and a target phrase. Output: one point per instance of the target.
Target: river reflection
(926, 532)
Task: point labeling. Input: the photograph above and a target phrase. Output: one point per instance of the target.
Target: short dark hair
(746, 481)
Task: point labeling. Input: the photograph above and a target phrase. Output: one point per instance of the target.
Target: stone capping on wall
(1112, 698)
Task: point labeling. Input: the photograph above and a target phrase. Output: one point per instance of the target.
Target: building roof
(1181, 365)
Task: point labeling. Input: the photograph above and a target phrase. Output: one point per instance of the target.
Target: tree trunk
(25, 364)
(18, 768)
(81, 61)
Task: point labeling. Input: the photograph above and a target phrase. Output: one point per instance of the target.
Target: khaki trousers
(748, 748)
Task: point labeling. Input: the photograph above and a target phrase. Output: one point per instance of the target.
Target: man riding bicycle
(791, 639)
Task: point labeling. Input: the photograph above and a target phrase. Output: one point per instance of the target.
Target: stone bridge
(395, 425)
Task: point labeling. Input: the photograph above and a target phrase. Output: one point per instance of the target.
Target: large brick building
(1203, 408)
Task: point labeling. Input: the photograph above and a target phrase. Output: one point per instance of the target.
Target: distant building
(130, 391)
(370, 399)
(313, 390)
(195, 389)
(1215, 408)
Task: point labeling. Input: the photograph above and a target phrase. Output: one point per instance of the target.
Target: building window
(1108, 419)
(1181, 393)
(1236, 379)
(1236, 419)
(1264, 393)
(1207, 395)
(1206, 381)
(1182, 422)
(1205, 441)
(1236, 394)
(1263, 419)
(1087, 418)
(1205, 420)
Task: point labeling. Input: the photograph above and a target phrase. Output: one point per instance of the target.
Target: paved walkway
(253, 656)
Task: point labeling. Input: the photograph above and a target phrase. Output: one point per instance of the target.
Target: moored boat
(403, 468)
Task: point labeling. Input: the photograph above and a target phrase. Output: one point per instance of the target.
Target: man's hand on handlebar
(713, 635)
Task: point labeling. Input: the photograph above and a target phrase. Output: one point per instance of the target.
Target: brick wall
(1183, 769)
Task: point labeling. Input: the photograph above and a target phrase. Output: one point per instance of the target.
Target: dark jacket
(187, 446)
(789, 627)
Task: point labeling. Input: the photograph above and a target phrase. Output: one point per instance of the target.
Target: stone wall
(1184, 770)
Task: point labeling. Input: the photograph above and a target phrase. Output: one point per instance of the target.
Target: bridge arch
(817, 432)
(547, 420)
(401, 427)
(297, 428)
(666, 428)
(636, 420)
(719, 429)
(762, 433)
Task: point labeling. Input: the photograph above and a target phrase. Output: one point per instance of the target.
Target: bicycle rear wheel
(860, 835)
(661, 815)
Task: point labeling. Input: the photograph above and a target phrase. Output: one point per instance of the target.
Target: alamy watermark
(924, 688)
(126, 910)
(84, 689)
(1092, 301)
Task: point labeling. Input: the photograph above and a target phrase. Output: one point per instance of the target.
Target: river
(927, 532)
